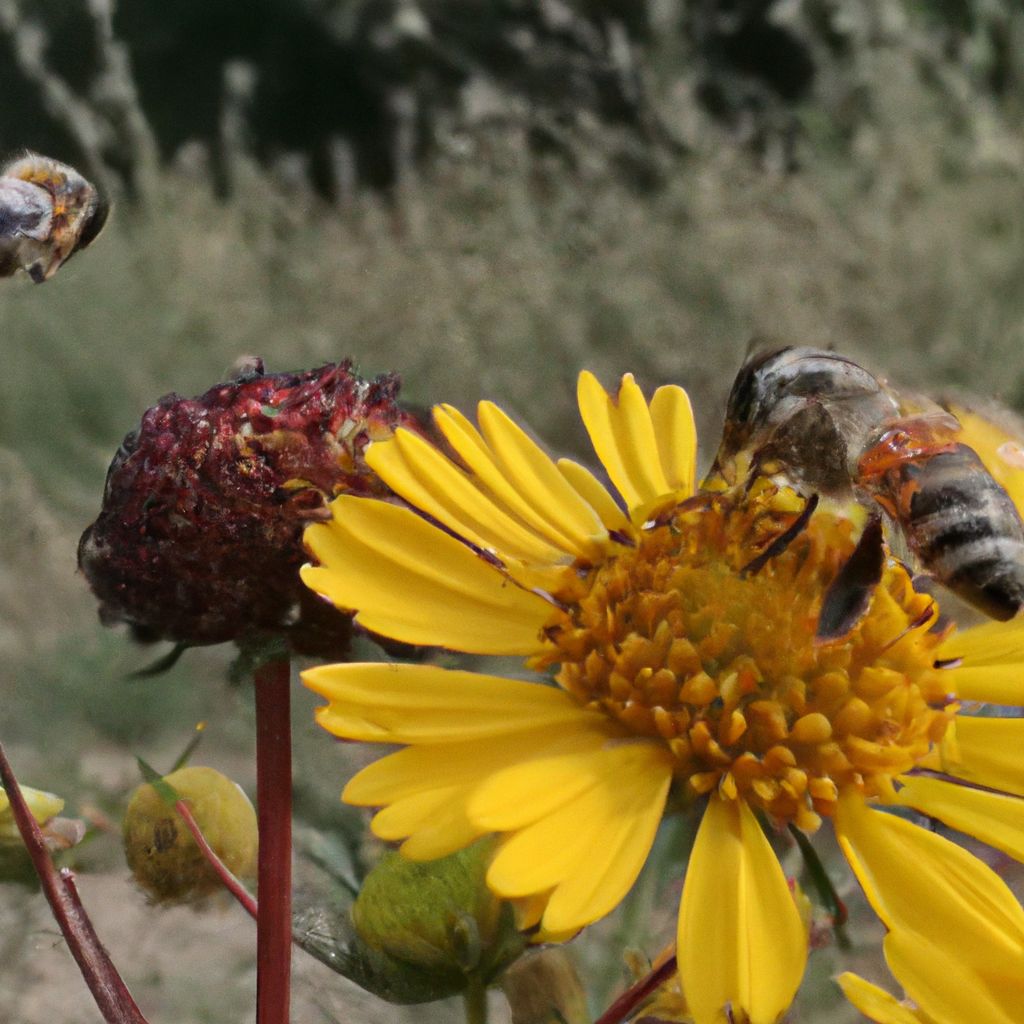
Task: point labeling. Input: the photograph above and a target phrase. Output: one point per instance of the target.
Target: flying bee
(48, 212)
(829, 427)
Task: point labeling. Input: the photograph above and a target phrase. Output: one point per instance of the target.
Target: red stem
(106, 985)
(636, 994)
(232, 884)
(274, 800)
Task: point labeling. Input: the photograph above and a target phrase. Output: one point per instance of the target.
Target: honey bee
(828, 427)
(48, 212)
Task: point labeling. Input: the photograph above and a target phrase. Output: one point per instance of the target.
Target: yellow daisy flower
(683, 647)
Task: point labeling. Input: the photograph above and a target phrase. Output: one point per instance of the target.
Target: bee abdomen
(966, 530)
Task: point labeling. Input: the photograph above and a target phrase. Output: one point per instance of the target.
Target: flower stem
(636, 994)
(232, 884)
(106, 985)
(475, 1001)
(274, 799)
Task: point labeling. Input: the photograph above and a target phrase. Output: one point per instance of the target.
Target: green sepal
(164, 789)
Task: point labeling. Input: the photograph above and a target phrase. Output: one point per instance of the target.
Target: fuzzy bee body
(48, 212)
(828, 426)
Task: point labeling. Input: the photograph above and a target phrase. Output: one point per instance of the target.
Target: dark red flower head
(200, 536)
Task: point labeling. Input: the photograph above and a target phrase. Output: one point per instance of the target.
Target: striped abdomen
(961, 524)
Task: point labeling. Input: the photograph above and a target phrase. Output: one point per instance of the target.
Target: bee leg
(784, 539)
(849, 594)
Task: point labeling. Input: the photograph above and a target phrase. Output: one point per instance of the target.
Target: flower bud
(43, 806)
(162, 855)
(420, 931)
(199, 539)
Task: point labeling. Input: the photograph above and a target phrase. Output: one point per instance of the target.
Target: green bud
(421, 931)
(162, 855)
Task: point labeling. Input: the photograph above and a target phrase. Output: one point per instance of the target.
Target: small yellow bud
(43, 806)
(160, 850)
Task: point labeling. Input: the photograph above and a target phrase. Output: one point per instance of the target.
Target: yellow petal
(741, 940)
(390, 703)
(876, 1003)
(425, 791)
(417, 471)
(991, 684)
(524, 793)
(946, 987)
(556, 507)
(589, 851)
(421, 768)
(444, 833)
(921, 882)
(411, 581)
(414, 812)
(623, 437)
(676, 433)
(989, 751)
(993, 818)
(994, 643)
(593, 492)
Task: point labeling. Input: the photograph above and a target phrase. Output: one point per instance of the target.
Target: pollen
(691, 637)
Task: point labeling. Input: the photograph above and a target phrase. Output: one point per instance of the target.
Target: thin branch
(232, 884)
(105, 983)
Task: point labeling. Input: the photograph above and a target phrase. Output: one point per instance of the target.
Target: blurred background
(485, 196)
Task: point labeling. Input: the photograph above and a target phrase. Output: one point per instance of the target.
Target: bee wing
(26, 211)
(927, 412)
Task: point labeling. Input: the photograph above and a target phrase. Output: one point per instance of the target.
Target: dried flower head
(199, 537)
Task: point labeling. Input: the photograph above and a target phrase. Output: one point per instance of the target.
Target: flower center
(674, 640)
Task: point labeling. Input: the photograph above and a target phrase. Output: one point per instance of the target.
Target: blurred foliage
(355, 92)
(485, 197)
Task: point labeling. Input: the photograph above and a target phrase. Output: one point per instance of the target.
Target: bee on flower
(675, 636)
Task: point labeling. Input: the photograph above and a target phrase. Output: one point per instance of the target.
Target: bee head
(95, 221)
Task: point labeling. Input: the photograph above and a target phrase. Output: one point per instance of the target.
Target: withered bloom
(199, 539)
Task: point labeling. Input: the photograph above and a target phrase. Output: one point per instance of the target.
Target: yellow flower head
(685, 659)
